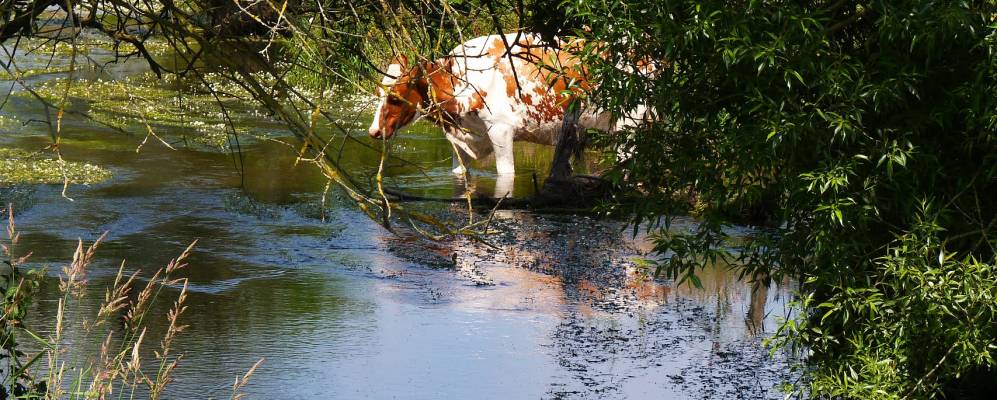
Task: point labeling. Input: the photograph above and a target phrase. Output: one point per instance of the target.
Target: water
(340, 308)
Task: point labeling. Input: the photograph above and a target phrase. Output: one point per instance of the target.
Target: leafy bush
(861, 135)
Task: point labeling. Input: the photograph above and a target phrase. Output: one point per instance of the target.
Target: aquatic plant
(22, 167)
(143, 104)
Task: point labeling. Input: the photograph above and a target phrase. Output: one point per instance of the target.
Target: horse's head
(402, 92)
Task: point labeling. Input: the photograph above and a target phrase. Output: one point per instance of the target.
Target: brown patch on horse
(498, 52)
(427, 87)
(527, 99)
(554, 70)
(477, 100)
(442, 106)
(403, 98)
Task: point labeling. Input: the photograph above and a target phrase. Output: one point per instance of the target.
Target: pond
(341, 308)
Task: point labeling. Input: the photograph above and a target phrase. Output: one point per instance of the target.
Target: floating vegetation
(142, 105)
(202, 112)
(8, 121)
(22, 167)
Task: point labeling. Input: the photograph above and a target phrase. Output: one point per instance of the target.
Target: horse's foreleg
(460, 160)
(461, 157)
(502, 137)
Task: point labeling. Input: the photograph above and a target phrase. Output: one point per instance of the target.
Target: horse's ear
(400, 60)
(447, 63)
(397, 67)
(433, 66)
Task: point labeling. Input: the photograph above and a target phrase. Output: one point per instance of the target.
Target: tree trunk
(568, 143)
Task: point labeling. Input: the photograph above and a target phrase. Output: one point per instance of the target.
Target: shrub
(859, 135)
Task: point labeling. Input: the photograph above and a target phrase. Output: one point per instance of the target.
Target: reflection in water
(620, 333)
(504, 185)
(756, 309)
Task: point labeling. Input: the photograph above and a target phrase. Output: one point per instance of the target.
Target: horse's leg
(504, 184)
(501, 137)
(461, 158)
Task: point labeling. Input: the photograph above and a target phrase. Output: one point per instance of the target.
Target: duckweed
(21, 167)
(132, 103)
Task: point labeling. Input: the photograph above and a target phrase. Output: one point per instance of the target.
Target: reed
(120, 368)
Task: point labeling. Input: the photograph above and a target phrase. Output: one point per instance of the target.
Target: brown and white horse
(486, 95)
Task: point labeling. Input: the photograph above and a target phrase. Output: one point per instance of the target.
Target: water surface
(340, 308)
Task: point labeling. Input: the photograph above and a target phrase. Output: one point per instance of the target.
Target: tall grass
(120, 368)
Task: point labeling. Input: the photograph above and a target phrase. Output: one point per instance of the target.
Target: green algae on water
(142, 103)
(22, 167)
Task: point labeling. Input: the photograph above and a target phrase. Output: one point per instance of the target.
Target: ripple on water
(340, 309)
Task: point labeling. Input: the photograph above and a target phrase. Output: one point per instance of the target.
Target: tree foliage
(292, 59)
(859, 135)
